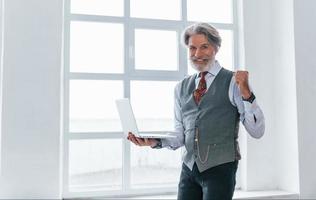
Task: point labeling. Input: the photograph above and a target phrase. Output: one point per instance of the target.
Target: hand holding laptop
(141, 141)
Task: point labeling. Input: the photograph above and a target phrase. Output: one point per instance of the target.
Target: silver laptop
(128, 121)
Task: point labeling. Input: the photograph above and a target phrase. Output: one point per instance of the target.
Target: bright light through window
(96, 47)
(92, 105)
(95, 164)
(219, 11)
(129, 49)
(98, 7)
(145, 98)
(156, 49)
(152, 168)
(162, 9)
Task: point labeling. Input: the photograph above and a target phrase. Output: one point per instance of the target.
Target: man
(208, 108)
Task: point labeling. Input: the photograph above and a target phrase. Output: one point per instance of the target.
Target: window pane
(98, 7)
(156, 49)
(95, 164)
(96, 47)
(155, 168)
(92, 105)
(219, 11)
(225, 54)
(156, 9)
(152, 103)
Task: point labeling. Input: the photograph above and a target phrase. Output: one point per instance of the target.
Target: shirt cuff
(250, 107)
(165, 143)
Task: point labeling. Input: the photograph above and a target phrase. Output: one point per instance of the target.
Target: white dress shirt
(251, 115)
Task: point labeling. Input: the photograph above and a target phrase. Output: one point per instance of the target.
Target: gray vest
(210, 128)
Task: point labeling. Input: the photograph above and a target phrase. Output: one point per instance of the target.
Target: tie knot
(202, 74)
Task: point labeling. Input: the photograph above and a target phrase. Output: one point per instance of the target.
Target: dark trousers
(216, 183)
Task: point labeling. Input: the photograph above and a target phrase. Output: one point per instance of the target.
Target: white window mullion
(183, 62)
(95, 18)
(96, 76)
(127, 67)
(66, 98)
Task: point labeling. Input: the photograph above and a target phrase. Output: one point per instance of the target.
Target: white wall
(1, 67)
(31, 110)
(260, 155)
(279, 53)
(305, 61)
(284, 86)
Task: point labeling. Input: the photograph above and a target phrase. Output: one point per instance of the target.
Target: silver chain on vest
(198, 148)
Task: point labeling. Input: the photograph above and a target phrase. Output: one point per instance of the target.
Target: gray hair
(206, 29)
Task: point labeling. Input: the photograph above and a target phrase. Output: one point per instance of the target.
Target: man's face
(202, 53)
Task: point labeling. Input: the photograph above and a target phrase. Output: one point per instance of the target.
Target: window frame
(129, 74)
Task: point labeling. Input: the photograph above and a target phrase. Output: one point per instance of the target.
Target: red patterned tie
(199, 92)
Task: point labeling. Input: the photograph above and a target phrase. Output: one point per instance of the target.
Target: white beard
(203, 68)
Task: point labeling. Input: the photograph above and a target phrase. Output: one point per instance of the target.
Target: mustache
(205, 58)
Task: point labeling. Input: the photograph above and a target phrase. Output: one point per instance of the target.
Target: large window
(128, 48)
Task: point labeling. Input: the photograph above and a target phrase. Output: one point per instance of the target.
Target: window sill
(239, 194)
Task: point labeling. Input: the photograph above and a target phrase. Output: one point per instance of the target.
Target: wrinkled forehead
(198, 40)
